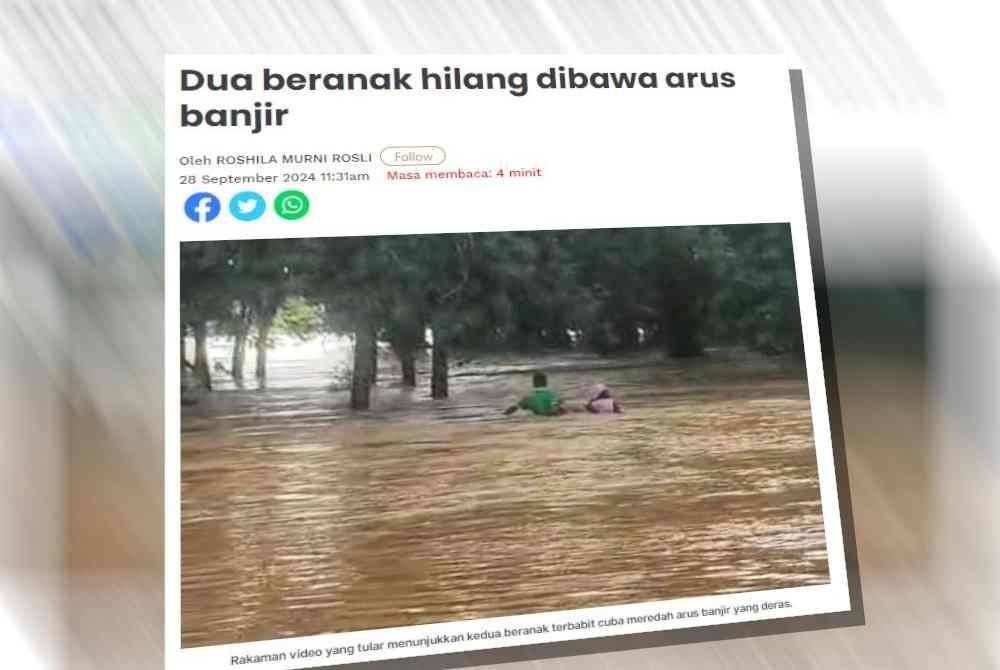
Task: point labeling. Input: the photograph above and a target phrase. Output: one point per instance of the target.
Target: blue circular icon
(202, 207)
(247, 205)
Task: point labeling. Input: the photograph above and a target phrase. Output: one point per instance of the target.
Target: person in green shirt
(542, 401)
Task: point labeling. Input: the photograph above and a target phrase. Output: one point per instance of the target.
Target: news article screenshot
(472, 359)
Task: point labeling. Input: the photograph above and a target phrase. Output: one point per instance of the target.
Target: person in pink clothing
(601, 401)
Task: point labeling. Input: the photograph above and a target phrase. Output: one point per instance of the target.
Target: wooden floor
(920, 508)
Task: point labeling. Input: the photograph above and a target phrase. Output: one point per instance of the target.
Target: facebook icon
(202, 207)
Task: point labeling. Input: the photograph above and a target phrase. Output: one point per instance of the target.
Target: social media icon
(247, 205)
(291, 204)
(202, 207)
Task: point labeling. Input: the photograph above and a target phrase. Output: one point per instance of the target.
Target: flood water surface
(300, 517)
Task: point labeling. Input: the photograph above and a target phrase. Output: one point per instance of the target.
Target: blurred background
(902, 104)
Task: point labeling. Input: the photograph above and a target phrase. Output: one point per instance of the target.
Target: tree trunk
(201, 370)
(240, 343)
(184, 357)
(408, 339)
(439, 371)
(628, 335)
(374, 360)
(361, 376)
(263, 334)
(682, 333)
(239, 355)
(408, 363)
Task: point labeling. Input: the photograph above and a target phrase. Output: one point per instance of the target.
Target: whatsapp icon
(291, 204)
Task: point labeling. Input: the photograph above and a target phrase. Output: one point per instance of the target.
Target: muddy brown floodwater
(300, 518)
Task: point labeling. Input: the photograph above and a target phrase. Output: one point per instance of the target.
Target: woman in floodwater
(601, 401)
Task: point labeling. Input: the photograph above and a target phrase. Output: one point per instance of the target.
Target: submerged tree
(610, 290)
(201, 301)
(345, 279)
(242, 322)
(260, 275)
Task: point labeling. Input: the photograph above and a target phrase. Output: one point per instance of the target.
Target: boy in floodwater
(601, 401)
(542, 401)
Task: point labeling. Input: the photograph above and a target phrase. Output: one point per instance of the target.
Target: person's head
(599, 392)
(539, 379)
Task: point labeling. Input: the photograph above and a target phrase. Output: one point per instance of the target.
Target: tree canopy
(614, 290)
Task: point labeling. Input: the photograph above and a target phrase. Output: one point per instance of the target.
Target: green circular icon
(291, 204)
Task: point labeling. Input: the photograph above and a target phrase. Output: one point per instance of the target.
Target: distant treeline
(612, 291)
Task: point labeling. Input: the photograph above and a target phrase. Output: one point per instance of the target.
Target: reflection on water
(299, 517)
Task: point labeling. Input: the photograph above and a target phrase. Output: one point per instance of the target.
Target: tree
(346, 279)
(686, 284)
(201, 301)
(469, 280)
(651, 279)
(363, 372)
(261, 274)
(243, 320)
(404, 331)
(612, 290)
(757, 302)
(298, 317)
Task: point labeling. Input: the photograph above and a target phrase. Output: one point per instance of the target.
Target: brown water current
(300, 517)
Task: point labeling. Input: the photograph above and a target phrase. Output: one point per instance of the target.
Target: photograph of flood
(399, 430)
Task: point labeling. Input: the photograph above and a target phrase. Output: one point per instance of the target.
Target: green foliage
(757, 303)
(612, 290)
(299, 318)
(201, 274)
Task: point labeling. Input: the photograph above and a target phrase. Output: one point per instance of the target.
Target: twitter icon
(247, 205)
